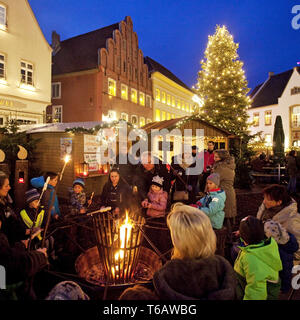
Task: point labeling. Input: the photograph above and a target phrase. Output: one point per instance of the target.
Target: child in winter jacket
(46, 200)
(156, 201)
(78, 197)
(258, 263)
(287, 245)
(213, 203)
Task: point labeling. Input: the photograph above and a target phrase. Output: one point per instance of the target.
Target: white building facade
(25, 65)
(278, 95)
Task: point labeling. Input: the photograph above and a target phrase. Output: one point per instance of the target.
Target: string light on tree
(222, 84)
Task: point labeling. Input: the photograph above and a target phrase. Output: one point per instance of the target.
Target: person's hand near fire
(146, 204)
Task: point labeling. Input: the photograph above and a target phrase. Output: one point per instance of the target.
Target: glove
(190, 188)
(199, 204)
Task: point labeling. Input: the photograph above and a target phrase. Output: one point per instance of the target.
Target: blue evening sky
(175, 32)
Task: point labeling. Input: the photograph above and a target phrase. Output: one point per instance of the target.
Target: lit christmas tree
(222, 84)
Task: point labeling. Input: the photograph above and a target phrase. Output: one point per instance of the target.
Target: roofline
(34, 17)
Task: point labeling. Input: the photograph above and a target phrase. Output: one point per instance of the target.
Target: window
(134, 120)
(157, 115)
(1, 121)
(2, 17)
(149, 120)
(187, 108)
(157, 95)
(26, 73)
(295, 90)
(124, 92)
(2, 66)
(296, 117)
(268, 118)
(124, 116)
(178, 104)
(173, 116)
(268, 140)
(57, 114)
(168, 100)
(255, 119)
(173, 102)
(112, 115)
(112, 87)
(56, 90)
(142, 121)
(182, 105)
(134, 95)
(163, 115)
(148, 101)
(163, 97)
(168, 116)
(142, 99)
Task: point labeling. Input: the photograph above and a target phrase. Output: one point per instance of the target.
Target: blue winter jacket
(213, 206)
(39, 183)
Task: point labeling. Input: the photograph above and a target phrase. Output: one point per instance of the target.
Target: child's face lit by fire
(155, 188)
(77, 188)
(34, 204)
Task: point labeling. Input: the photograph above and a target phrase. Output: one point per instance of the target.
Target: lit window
(112, 115)
(182, 105)
(124, 116)
(168, 100)
(296, 117)
(56, 90)
(124, 92)
(268, 140)
(163, 115)
(2, 66)
(148, 101)
(2, 17)
(134, 120)
(255, 119)
(157, 115)
(168, 116)
(157, 95)
(134, 95)
(187, 108)
(142, 99)
(178, 104)
(268, 118)
(112, 87)
(173, 116)
(173, 102)
(26, 73)
(163, 97)
(149, 120)
(57, 114)
(142, 121)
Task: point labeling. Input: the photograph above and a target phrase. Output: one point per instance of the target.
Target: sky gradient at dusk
(175, 33)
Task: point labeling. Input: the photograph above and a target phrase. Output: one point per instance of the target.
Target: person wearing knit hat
(258, 263)
(287, 245)
(79, 182)
(31, 195)
(67, 290)
(78, 197)
(215, 178)
(214, 202)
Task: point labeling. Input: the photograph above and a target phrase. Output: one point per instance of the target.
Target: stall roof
(57, 127)
(172, 122)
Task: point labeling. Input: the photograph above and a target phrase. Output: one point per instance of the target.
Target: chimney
(55, 42)
(271, 73)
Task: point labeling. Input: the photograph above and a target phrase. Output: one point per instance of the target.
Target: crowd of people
(190, 207)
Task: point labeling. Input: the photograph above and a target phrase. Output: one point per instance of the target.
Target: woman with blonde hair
(194, 272)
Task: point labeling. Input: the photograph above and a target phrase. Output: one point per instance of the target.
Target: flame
(127, 225)
(67, 158)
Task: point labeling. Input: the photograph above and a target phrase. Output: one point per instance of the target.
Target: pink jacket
(158, 202)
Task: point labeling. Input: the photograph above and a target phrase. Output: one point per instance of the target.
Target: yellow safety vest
(29, 223)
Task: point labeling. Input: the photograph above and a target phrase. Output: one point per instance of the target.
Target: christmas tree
(222, 84)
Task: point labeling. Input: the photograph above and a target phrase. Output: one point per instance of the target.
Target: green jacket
(257, 267)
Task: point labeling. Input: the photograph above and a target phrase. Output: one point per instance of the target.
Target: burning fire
(126, 226)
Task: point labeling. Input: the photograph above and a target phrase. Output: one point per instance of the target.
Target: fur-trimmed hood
(212, 278)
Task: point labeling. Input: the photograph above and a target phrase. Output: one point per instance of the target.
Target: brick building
(100, 75)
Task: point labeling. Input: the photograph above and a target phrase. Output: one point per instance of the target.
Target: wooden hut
(209, 132)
